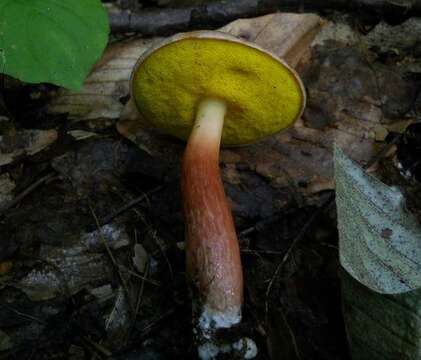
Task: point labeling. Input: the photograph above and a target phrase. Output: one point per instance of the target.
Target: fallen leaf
(140, 258)
(286, 35)
(395, 38)
(379, 240)
(24, 142)
(74, 265)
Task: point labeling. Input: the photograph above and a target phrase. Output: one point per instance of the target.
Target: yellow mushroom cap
(262, 93)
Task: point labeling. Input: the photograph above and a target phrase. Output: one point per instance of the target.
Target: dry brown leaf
(286, 35)
(106, 88)
(25, 142)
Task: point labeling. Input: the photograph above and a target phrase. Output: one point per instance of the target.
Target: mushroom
(210, 88)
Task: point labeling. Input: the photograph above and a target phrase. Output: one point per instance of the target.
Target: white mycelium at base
(246, 347)
(209, 322)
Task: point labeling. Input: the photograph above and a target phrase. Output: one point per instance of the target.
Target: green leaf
(54, 41)
(380, 326)
(379, 240)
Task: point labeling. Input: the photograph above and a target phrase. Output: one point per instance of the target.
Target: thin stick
(217, 13)
(26, 192)
(326, 204)
(98, 347)
(261, 252)
(153, 323)
(113, 260)
(129, 205)
(143, 278)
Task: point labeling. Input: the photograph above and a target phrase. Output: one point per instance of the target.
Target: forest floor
(92, 258)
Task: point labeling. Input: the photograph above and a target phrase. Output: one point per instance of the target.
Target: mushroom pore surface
(262, 95)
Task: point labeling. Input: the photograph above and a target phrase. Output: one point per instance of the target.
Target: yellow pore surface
(261, 94)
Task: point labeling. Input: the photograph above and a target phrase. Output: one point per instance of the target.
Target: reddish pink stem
(212, 250)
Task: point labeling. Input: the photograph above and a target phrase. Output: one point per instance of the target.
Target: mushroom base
(210, 346)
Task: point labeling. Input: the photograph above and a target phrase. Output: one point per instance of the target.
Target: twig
(326, 204)
(141, 291)
(139, 299)
(216, 13)
(153, 323)
(261, 252)
(251, 305)
(98, 347)
(26, 192)
(23, 315)
(158, 242)
(129, 205)
(259, 226)
(150, 230)
(143, 278)
(113, 260)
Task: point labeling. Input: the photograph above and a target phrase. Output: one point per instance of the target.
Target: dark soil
(65, 312)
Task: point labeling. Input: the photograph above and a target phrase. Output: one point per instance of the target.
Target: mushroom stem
(212, 250)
